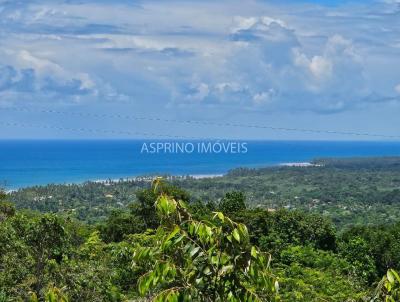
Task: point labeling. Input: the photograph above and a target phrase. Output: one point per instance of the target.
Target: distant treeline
(356, 191)
(368, 163)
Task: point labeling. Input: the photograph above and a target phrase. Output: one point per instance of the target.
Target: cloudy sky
(126, 69)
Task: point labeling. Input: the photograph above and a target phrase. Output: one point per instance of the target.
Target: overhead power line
(101, 131)
(202, 123)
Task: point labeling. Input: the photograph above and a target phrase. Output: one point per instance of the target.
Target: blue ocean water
(36, 162)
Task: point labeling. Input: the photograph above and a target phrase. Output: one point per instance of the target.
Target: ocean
(26, 163)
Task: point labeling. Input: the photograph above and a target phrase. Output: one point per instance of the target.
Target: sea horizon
(25, 163)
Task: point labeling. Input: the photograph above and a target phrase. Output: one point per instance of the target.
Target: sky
(74, 69)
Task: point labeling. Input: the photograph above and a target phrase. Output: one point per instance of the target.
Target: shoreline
(120, 179)
(150, 178)
(300, 164)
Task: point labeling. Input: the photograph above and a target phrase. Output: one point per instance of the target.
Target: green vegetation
(203, 260)
(389, 288)
(165, 242)
(349, 192)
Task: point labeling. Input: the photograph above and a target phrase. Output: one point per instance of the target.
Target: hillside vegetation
(348, 191)
(241, 237)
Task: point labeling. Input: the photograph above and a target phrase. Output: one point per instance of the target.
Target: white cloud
(42, 67)
(239, 53)
(226, 87)
(264, 97)
(255, 23)
(45, 69)
(326, 74)
(199, 92)
(397, 88)
(321, 67)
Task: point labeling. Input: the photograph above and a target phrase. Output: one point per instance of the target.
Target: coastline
(300, 164)
(120, 179)
(150, 178)
(197, 176)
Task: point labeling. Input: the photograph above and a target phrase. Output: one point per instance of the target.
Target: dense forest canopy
(272, 234)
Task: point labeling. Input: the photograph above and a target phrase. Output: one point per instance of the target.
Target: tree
(3, 195)
(14, 263)
(310, 275)
(388, 289)
(357, 252)
(119, 224)
(233, 202)
(202, 260)
(53, 294)
(274, 231)
(383, 241)
(89, 274)
(6, 210)
(146, 198)
(48, 241)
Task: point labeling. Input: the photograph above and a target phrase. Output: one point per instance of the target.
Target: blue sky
(71, 65)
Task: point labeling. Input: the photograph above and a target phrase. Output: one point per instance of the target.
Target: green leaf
(33, 298)
(225, 269)
(243, 230)
(396, 275)
(206, 271)
(220, 215)
(390, 276)
(144, 283)
(194, 251)
(182, 204)
(173, 233)
(254, 252)
(179, 239)
(236, 235)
